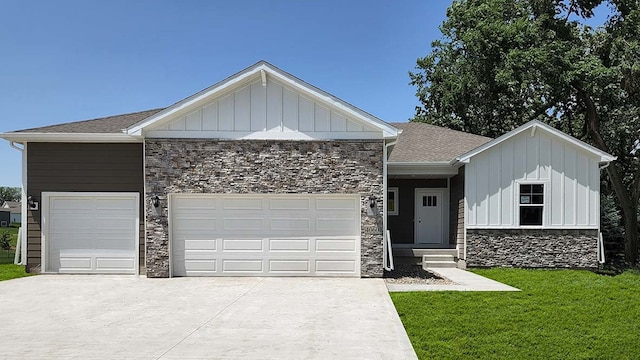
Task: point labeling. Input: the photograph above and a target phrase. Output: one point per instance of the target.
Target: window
(430, 200)
(531, 204)
(392, 201)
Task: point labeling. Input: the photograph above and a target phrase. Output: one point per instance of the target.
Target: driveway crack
(211, 318)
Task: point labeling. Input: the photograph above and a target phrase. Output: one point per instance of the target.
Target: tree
(502, 63)
(9, 194)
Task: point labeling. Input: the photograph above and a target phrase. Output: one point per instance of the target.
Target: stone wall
(261, 167)
(532, 248)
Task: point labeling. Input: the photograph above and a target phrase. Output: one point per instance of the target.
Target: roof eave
(71, 137)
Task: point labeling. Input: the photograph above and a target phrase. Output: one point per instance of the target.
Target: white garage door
(91, 232)
(265, 235)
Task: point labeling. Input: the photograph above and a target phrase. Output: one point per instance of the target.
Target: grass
(10, 271)
(559, 314)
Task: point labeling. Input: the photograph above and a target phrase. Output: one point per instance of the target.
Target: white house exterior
(535, 189)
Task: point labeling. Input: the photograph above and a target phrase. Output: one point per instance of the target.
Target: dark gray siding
(80, 168)
(401, 225)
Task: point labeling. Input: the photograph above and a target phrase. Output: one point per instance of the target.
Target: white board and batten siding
(265, 235)
(274, 111)
(571, 178)
(90, 233)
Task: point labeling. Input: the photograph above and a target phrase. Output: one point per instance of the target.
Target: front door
(429, 216)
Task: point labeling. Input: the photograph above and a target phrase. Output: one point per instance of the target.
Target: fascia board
(71, 137)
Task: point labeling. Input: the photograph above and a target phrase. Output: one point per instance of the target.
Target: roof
(14, 206)
(533, 125)
(109, 124)
(422, 143)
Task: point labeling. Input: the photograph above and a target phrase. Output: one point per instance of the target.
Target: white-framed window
(393, 201)
(531, 204)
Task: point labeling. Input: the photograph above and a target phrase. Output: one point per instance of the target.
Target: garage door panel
(242, 224)
(193, 244)
(242, 203)
(339, 204)
(335, 266)
(241, 265)
(336, 225)
(336, 245)
(269, 234)
(276, 245)
(114, 263)
(289, 203)
(91, 233)
(242, 245)
(297, 266)
(289, 224)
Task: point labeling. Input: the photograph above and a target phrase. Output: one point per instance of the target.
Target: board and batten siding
(80, 167)
(257, 108)
(570, 175)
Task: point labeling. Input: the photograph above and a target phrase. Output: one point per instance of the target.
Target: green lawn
(559, 314)
(10, 271)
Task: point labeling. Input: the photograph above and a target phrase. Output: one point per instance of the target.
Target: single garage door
(91, 232)
(265, 235)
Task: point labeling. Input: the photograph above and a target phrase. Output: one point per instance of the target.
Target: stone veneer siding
(262, 167)
(532, 248)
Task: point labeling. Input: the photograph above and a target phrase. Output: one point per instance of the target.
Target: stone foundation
(532, 248)
(262, 167)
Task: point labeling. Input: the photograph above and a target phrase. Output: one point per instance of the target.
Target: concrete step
(420, 252)
(439, 264)
(437, 257)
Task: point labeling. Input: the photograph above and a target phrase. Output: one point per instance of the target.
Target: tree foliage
(501, 63)
(9, 194)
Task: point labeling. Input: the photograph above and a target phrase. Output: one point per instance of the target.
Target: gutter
(70, 137)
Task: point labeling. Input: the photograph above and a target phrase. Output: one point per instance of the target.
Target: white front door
(429, 215)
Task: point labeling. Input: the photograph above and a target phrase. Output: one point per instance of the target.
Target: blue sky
(64, 60)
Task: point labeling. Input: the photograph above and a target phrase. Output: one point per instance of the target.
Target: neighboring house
(263, 174)
(15, 207)
(5, 217)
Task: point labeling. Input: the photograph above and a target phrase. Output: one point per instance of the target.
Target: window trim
(545, 204)
(396, 192)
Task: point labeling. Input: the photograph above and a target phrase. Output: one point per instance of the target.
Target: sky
(63, 60)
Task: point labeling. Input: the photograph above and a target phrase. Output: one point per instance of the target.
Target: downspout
(385, 245)
(23, 203)
(601, 256)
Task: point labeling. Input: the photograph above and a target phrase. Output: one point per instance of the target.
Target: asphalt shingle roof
(109, 124)
(420, 142)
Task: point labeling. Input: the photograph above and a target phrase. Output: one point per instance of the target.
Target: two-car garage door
(265, 235)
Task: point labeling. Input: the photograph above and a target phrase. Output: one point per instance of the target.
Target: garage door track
(128, 317)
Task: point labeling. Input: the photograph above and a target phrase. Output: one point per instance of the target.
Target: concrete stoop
(428, 258)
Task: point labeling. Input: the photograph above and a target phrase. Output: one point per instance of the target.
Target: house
(263, 174)
(5, 217)
(15, 208)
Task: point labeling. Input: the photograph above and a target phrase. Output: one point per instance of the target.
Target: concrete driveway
(129, 317)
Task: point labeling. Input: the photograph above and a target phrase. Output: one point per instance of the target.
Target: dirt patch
(414, 274)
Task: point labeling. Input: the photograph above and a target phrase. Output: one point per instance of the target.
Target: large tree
(9, 194)
(501, 63)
